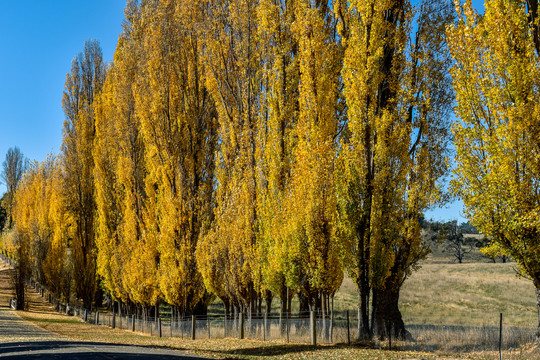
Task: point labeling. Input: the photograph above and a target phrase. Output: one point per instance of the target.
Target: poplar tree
(35, 226)
(56, 267)
(232, 61)
(314, 263)
(178, 123)
(13, 169)
(83, 85)
(496, 78)
(393, 154)
(127, 270)
(276, 140)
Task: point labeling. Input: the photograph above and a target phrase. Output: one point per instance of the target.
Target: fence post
(500, 337)
(132, 323)
(208, 325)
(348, 330)
(159, 326)
(287, 324)
(85, 315)
(265, 322)
(332, 326)
(241, 325)
(313, 327)
(97, 317)
(144, 322)
(182, 326)
(113, 316)
(193, 326)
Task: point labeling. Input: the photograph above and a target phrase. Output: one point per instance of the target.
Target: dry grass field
(454, 308)
(470, 290)
(441, 289)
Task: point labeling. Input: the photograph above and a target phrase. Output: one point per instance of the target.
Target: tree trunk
(537, 287)
(268, 298)
(290, 295)
(283, 309)
(20, 288)
(98, 297)
(303, 302)
(364, 329)
(388, 318)
(323, 311)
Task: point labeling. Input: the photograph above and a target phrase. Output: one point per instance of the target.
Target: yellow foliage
(496, 80)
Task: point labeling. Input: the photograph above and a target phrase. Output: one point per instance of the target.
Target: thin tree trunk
(364, 328)
(283, 310)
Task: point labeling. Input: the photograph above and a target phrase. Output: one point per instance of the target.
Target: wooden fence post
(287, 324)
(313, 326)
(348, 330)
(193, 326)
(182, 326)
(265, 321)
(159, 326)
(500, 337)
(132, 323)
(332, 326)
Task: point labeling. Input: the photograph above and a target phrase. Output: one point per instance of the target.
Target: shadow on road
(64, 350)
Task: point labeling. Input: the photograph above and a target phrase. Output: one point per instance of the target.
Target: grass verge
(43, 315)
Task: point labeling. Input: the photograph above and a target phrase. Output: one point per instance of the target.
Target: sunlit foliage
(496, 79)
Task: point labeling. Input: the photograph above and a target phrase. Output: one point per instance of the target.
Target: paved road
(19, 339)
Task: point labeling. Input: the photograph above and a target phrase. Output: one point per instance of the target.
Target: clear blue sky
(39, 39)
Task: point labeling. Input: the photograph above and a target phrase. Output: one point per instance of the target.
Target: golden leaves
(496, 80)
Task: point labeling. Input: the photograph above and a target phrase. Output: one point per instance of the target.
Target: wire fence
(456, 333)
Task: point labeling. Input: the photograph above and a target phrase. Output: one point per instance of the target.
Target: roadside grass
(441, 292)
(213, 348)
(231, 348)
(43, 315)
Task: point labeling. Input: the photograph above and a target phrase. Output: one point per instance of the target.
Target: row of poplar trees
(248, 149)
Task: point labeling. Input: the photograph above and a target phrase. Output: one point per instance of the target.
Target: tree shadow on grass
(279, 350)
